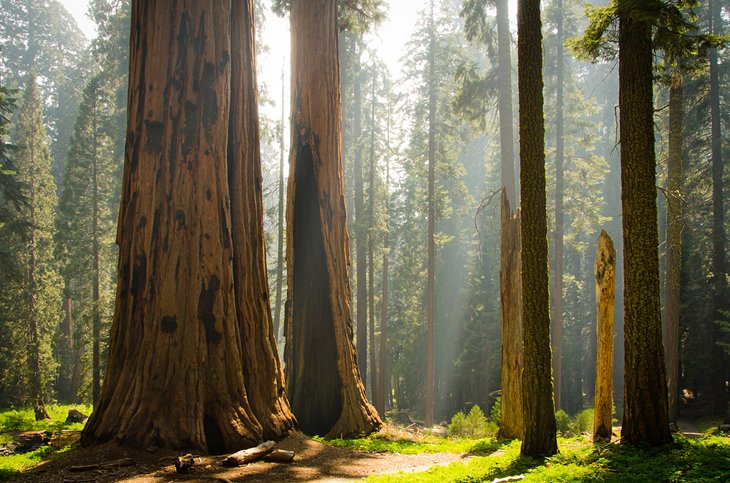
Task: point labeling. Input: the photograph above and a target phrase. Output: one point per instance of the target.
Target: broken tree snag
(280, 456)
(248, 455)
(323, 381)
(605, 271)
(510, 283)
(189, 321)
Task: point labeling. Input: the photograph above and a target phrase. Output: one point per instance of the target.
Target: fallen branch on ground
(247, 455)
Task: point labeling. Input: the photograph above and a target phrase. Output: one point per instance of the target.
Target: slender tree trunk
(381, 400)
(605, 271)
(324, 385)
(280, 239)
(510, 281)
(719, 371)
(645, 390)
(371, 243)
(431, 276)
(537, 393)
(510, 288)
(192, 359)
(95, 299)
(360, 228)
(673, 243)
(557, 332)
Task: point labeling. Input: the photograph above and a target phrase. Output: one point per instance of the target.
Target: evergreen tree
(537, 387)
(86, 235)
(41, 36)
(39, 292)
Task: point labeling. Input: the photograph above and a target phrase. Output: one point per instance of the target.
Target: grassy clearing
(707, 459)
(12, 466)
(16, 420)
(394, 440)
(24, 419)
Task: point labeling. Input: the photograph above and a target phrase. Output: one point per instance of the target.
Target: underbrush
(12, 466)
(706, 459)
(393, 439)
(19, 420)
(23, 419)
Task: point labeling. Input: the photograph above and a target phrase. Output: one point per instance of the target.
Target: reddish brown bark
(324, 384)
(192, 361)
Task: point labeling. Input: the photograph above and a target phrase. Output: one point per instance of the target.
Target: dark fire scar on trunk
(205, 309)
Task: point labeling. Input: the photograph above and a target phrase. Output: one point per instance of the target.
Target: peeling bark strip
(605, 271)
(192, 361)
(324, 384)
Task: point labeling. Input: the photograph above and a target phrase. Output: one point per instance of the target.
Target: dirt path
(314, 462)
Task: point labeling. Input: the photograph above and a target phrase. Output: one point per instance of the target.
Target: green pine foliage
(31, 302)
(86, 229)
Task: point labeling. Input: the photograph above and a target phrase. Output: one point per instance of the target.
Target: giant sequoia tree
(324, 384)
(192, 359)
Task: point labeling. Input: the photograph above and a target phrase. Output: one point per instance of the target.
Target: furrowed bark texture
(537, 386)
(673, 254)
(645, 390)
(510, 283)
(324, 384)
(191, 337)
(605, 271)
(262, 372)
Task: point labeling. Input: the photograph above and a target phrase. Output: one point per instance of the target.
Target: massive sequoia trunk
(192, 361)
(645, 390)
(324, 384)
(537, 386)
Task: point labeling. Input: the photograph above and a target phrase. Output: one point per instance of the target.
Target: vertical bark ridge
(177, 370)
(316, 211)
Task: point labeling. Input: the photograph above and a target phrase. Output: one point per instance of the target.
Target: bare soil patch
(314, 461)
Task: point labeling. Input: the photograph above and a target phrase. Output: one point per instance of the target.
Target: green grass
(394, 440)
(13, 420)
(12, 466)
(704, 460)
(24, 419)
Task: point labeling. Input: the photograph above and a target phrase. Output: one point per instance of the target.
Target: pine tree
(87, 233)
(38, 312)
(537, 387)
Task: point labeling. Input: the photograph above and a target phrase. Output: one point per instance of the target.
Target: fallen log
(104, 466)
(247, 455)
(279, 456)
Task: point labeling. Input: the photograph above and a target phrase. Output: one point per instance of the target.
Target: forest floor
(314, 461)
